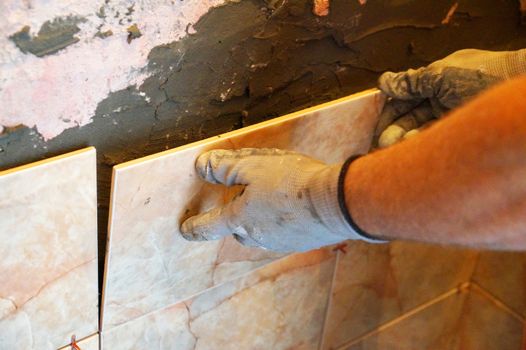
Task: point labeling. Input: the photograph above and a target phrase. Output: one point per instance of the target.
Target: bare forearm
(462, 181)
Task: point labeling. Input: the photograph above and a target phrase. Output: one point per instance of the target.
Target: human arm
(461, 181)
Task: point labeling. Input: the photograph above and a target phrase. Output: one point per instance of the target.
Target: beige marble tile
(463, 321)
(149, 266)
(503, 274)
(279, 306)
(485, 326)
(48, 254)
(433, 328)
(377, 283)
(89, 343)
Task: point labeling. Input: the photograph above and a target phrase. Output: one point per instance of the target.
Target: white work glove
(290, 201)
(421, 95)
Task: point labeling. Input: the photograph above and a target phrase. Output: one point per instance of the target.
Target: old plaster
(63, 89)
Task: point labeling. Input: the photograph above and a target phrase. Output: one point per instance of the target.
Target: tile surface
(279, 306)
(48, 254)
(89, 343)
(463, 321)
(503, 274)
(377, 283)
(149, 266)
(485, 326)
(434, 328)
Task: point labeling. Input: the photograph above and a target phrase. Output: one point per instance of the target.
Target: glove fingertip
(187, 230)
(386, 80)
(207, 226)
(393, 134)
(386, 118)
(202, 164)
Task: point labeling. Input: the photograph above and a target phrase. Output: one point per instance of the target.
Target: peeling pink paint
(60, 91)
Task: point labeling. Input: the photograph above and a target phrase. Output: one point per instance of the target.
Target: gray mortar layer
(254, 60)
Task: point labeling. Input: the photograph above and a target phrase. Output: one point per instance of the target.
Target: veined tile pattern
(503, 274)
(278, 306)
(48, 269)
(149, 265)
(463, 321)
(377, 283)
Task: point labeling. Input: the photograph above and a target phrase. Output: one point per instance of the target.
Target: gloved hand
(418, 96)
(289, 203)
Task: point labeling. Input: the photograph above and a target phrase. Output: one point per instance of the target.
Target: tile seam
(67, 346)
(475, 266)
(462, 288)
(500, 304)
(329, 302)
(107, 260)
(245, 274)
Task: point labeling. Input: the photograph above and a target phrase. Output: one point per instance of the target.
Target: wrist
(328, 200)
(509, 65)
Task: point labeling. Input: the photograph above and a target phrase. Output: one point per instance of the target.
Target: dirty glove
(418, 96)
(289, 202)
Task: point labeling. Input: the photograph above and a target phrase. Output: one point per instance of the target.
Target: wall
(136, 77)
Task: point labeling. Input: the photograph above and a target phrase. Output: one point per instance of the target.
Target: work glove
(289, 202)
(422, 95)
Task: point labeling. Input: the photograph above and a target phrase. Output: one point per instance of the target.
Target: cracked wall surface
(136, 77)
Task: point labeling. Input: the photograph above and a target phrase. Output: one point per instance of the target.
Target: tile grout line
(68, 346)
(475, 266)
(462, 288)
(245, 274)
(107, 259)
(476, 288)
(329, 302)
(191, 296)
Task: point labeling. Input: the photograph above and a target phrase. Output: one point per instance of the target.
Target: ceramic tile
(149, 265)
(89, 343)
(377, 283)
(485, 326)
(503, 274)
(279, 306)
(48, 264)
(463, 321)
(433, 328)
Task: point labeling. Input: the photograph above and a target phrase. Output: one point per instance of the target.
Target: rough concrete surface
(198, 68)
